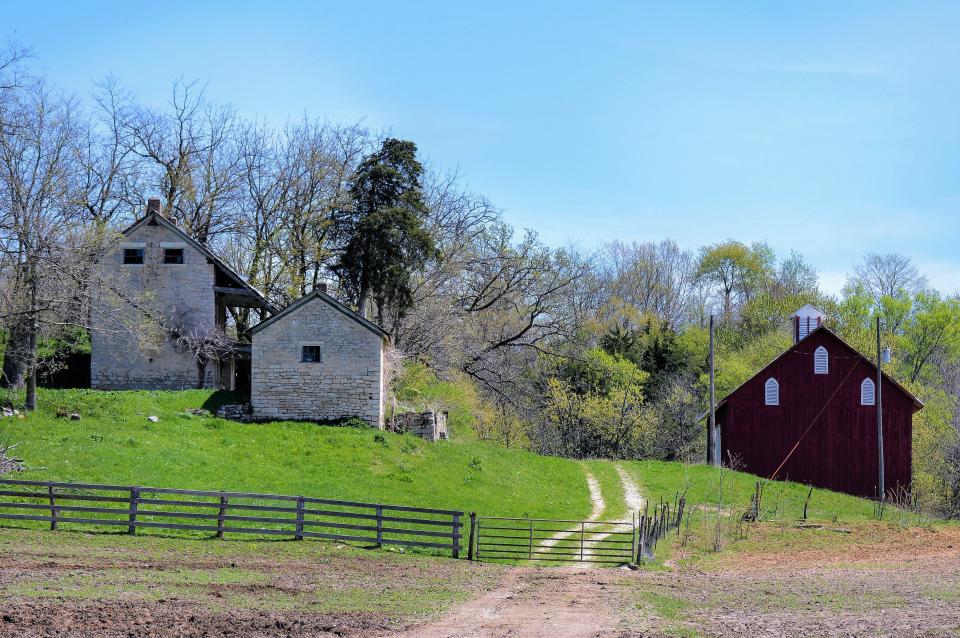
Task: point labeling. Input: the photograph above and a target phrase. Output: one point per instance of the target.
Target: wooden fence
(655, 526)
(220, 513)
(550, 540)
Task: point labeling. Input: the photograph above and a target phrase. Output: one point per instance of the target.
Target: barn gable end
(819, 432)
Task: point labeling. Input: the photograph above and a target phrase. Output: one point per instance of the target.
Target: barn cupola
(805, 321)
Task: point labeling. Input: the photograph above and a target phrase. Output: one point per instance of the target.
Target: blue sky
(831, 128)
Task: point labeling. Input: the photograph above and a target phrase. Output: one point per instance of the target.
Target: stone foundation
(429, 425)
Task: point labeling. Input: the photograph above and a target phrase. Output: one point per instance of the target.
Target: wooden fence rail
(136, 507)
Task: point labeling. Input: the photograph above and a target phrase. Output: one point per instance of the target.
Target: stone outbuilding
(318, 360)
(155, 268)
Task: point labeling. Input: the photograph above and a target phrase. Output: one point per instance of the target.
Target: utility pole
(881, 485)
(713, 447)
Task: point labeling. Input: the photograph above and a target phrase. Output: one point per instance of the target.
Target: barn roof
(917, 402)
(154, 218)
(318, 294)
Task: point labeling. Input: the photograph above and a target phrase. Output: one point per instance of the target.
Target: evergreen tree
(384, 233)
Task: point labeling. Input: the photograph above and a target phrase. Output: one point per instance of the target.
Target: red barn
(810, 416)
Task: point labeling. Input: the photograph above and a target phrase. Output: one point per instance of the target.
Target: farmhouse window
(821, 361)
(133, 255)
(771, 392)
(173, 255)
(867, 392)
(311, 354)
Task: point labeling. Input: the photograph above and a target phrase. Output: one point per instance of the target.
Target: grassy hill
(113, 442)
(781, 499)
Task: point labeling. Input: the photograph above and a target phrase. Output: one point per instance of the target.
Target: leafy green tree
(599, 413)
(931, 334)
(737, 271)
(385, 236)
(653, 347)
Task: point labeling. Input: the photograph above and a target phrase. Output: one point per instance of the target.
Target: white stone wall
(125, 354)
(347, 382)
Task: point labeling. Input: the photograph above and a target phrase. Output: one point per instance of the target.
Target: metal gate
(550, 540)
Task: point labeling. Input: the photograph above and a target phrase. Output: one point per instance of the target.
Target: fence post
(134, 496)
(582, 525)
(530, 550)
(456, 535)
(633, 534)
(299, 533)
(479, 532)
(53, 508)
(473, 528)
(223, 511)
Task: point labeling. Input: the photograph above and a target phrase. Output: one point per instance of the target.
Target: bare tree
(204, 344)
(36, 212)
(514, 300)
(109, 181)
(889, 274)
(194, 159)
(655, 278)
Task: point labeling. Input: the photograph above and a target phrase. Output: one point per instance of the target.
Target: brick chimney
(153, 206)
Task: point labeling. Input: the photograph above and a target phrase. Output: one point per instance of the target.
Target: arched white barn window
(867, 392)
(771, 392)
(821, 361)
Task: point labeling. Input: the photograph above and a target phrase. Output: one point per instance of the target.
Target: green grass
(615, 509)
(113, 442)
(781, 499)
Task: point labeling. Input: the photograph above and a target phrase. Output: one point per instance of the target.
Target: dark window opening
(133, 255)
(173, 255)
(311, 354)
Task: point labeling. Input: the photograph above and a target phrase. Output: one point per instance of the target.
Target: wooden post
(379, 526)
(299, 532)
(134, 497)
(456, 536)
(473, 529)
(881, 486)
(807, 502)
(222, 512)
(712, 448)
(53, 508)
(640, 539)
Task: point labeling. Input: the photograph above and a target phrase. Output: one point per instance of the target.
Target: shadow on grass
(221, 398)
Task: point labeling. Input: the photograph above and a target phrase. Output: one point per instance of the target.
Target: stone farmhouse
(315, 360)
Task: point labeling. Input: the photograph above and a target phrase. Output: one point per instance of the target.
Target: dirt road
(530, 602)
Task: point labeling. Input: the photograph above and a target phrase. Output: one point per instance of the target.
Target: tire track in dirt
(631, 496)
(599, 505)
(532, 602)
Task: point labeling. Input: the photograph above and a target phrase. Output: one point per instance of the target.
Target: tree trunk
(31, 399)
(15, 354)
(201, 373)
(362, 302)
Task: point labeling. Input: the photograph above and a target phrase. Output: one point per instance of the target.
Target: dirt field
(877, 580)
(74, 584)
